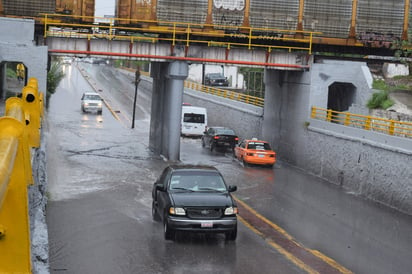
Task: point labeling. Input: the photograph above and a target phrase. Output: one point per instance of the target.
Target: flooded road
(100, 175)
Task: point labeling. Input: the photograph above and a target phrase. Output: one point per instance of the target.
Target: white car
(92, 102)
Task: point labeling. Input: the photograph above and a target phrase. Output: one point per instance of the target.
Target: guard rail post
(15, 175)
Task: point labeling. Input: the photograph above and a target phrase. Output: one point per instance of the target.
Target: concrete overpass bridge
(170, 55)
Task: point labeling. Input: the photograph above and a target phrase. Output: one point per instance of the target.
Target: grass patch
(380, 100)
(380, 85)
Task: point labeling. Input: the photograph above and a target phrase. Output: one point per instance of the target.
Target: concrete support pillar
(157, 72)
(272, 119)
(167, 98)
(177, 73)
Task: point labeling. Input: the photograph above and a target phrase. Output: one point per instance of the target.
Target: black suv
(194, 198)
(219, 137)
(216, 79)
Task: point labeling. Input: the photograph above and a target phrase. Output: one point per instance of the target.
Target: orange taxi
(255, 151)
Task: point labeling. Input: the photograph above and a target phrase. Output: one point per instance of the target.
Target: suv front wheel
(169, 232)
(231, 235)
(155, 214)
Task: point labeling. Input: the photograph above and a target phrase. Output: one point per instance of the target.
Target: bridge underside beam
(166, 53)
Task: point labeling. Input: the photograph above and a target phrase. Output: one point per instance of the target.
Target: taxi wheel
(244, 162)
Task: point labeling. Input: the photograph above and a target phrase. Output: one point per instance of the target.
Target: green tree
(254, 81)
(54, 76)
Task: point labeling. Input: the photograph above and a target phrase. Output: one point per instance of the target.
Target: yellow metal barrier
(15, 176)
(233, 95)
(387, 126)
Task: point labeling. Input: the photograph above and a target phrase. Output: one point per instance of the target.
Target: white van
(194, 121)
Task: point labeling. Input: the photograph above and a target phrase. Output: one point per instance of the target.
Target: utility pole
(136, 84)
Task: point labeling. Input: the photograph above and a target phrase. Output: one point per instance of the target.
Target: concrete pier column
(272, 120)
(158, 71)
(176, 74)
(166, 112)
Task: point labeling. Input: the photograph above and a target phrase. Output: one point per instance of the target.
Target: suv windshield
(215, 75)
(92, 97)
(198, 181)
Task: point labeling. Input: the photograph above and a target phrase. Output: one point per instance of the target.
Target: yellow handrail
(233, 95)
(19, 131)
(367, 122)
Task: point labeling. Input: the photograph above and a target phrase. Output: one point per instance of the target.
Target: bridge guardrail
(19, 132)
(211, 35)
(382, 125)
(229, 94)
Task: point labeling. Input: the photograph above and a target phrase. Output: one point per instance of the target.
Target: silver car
(92, 102)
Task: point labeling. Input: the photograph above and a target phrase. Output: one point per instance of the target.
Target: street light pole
(136, 83)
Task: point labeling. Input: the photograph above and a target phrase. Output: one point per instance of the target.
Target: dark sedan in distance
(216, 79)
(194, 198)
(219, 137)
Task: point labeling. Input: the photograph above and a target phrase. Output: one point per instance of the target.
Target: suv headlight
(231, 211)
(177, 211)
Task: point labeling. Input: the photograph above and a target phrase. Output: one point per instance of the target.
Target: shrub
(380, 85)
(380, 100)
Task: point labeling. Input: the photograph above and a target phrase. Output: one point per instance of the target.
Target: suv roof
(192, 167)
(91, 93)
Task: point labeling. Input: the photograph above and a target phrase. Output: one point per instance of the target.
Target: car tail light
(272, 155)
(237, 139)
(249, 154)
(216, 137)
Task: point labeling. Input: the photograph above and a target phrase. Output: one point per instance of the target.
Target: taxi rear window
(258, 146)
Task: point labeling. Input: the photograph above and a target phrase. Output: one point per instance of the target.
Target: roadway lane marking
(312, 261)
(117, 117)
(281, 250)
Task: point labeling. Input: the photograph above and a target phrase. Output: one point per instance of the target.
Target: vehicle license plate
(206, 224)
(261, 155)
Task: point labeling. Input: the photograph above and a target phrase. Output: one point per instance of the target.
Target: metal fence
(233, 95)
(229, 94)
(366, 122)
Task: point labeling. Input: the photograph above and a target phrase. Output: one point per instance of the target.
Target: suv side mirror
(160, 187)
(232, 188)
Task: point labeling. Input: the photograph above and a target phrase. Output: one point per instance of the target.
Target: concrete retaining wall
(17, 45)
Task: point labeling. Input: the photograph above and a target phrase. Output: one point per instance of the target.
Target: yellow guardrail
(233, 95)
(387, 126)
(229, 94)
(151, 31)
(19, 132)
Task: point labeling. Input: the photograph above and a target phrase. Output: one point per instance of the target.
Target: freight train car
(82, 9)
(372, 23)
